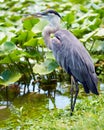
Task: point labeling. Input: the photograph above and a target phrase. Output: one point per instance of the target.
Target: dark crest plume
(51, 11)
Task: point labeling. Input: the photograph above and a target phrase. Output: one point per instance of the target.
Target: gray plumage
(74, 58)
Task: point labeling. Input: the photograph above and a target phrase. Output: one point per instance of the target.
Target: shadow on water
(46, 96)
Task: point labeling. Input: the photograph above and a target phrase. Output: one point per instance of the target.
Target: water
(102, 87)
(60, 102)
(60, 98)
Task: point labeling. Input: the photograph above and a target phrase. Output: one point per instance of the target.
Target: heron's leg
(76, 94)
(73, 100)
(72, 91)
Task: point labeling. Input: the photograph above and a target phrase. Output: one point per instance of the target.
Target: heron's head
(51, 15)
(48, 14)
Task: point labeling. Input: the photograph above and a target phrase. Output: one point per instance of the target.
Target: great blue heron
(70, 54)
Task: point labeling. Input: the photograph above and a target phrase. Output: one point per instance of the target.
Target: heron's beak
(29, 16)
(37, 15)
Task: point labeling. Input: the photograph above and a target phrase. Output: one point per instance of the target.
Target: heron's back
(75, 59)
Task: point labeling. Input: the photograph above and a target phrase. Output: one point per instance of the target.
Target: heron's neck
(48, 30)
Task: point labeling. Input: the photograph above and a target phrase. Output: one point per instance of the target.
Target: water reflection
(59, 97)
(60, 102)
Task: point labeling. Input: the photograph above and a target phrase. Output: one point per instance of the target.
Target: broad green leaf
(3, 40)
(8, 77)
(100, 33)
(78, 32)
(25, 36)
(86, 37)
(41, 41)
(70, 17)
(6, 48)
(32, 42)
(29, 23)
(22, 37)
(12, 57)
(15, 56)
(98, 46)
(39, 26)
(48, 66)
(49, 55)
(95, 23)
(15, 18)
(83, 9)
(5, 60)
(87, 15)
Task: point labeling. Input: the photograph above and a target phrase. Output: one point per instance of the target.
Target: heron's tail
(91, 84)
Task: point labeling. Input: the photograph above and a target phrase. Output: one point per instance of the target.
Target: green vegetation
(88, 115)
(23, 55)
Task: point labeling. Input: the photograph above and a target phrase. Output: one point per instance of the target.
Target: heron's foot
(71, 113)
(72, 108)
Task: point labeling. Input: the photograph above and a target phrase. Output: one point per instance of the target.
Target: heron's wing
(73, 57)
(69, 52)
